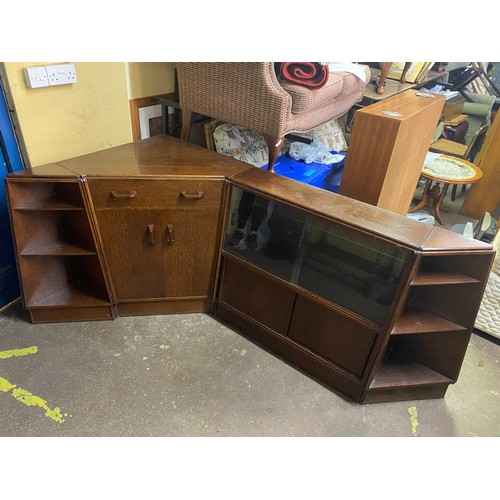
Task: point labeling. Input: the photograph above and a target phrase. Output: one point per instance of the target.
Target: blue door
(10, 161)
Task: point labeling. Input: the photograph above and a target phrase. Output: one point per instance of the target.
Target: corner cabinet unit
(376, 305)
(130, 230)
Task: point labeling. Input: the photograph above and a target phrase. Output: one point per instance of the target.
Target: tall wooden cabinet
(376, 305)
(387, 149)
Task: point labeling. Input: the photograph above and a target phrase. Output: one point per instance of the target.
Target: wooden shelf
(48, 204)
(430, 278)
(74, 295)
(58, 250)
(399, 371)
(416, 322)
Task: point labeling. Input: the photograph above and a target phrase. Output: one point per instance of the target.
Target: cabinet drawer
(184, 194)
(331, 335)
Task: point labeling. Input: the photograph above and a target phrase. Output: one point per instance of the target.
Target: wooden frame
(135, 105)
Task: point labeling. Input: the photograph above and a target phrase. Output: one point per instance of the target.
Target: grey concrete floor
(189, 375)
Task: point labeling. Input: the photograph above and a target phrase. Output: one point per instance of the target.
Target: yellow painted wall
(150, 78)
(92, 114)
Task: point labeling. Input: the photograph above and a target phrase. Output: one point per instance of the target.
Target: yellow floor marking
(18, 352)
(24, 396)
(414, 422)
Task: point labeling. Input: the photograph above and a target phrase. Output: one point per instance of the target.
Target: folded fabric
(308, 74)
(348, 67)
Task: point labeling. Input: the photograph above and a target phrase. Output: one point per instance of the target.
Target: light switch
(36, 76)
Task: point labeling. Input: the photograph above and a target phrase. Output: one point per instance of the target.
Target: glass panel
(264, 233)
(353, 270)
(356, 271)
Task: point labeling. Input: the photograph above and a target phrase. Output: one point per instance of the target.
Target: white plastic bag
(314, 152)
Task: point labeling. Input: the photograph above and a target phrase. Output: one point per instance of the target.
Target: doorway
(10, 161)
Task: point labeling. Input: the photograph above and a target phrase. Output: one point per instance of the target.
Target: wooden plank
(484, 195)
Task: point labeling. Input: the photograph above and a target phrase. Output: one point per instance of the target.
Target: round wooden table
(446, 170)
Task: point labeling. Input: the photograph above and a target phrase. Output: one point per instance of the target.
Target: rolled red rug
(309, 74)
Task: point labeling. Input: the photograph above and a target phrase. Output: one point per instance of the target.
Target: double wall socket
(44, 76)
(60, 74)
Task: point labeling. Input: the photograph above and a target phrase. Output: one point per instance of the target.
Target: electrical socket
(61, 74)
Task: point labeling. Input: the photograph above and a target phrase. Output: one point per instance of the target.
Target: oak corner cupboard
(378, 306)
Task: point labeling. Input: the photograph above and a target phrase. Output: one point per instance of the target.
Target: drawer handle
(118, 194)
(193, 196)
(170, 234)
(151, 229)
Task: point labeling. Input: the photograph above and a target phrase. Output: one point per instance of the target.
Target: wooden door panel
(135, 261)
(331, 335)
(189, 252)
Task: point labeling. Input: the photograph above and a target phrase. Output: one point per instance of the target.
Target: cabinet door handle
(118, 194)
(193, 196)
(170, 234)
(151, 229)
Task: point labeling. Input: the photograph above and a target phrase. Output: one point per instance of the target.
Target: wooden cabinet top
(159, 156)
(406, 104)
(377, 221)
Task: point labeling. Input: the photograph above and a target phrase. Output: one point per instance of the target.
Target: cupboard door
(189, 240)
(256, 296)
(337, 338)
(133, 247)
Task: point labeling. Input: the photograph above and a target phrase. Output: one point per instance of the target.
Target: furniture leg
(425, 200)
(438, 202)
(273, 145)
(454, 191)
(187, 120)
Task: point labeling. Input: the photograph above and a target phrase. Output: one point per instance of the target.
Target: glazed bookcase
(376, 305)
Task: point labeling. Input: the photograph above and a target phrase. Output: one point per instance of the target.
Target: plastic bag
(314, 152)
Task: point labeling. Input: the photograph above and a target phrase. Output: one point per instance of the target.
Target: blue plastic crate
(315, 174)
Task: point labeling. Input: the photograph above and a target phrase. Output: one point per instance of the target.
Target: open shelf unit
(428, 339)
(57, 251)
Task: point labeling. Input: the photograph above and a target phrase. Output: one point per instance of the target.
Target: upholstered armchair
(249, 94)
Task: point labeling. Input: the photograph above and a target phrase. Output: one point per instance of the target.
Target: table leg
(438, 203)
(425, 200)
(432, 197)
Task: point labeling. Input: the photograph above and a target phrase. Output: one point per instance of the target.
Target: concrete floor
(189, 375)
